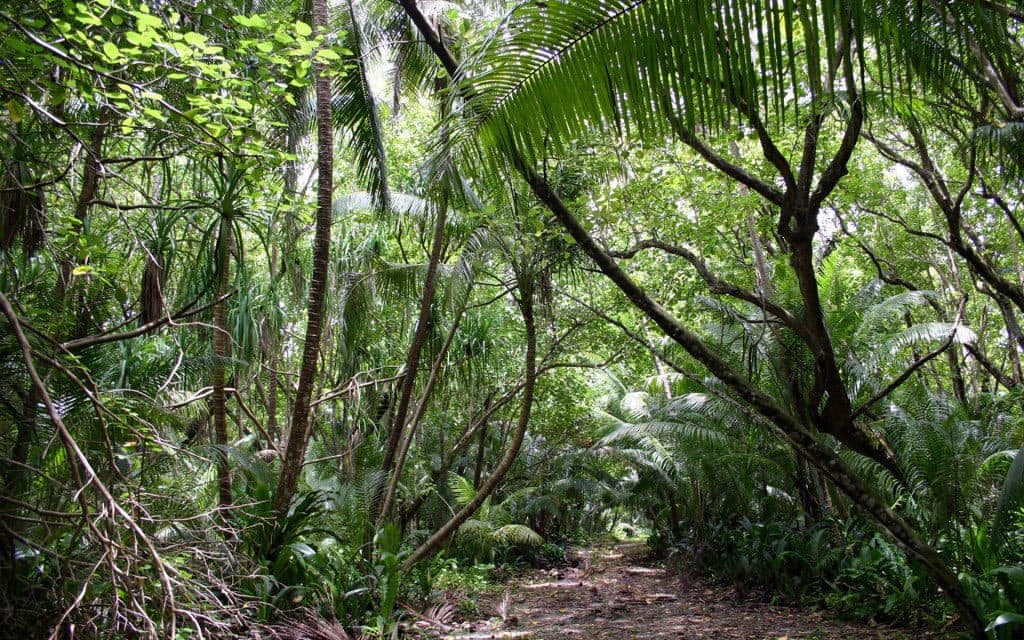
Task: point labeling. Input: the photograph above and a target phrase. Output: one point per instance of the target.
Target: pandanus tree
(685, 71)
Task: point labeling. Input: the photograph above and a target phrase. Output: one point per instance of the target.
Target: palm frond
(932, 44)
(1011, 499)
(704, 405)
(925, 333)
(475, 532)
(414, 66)
(1003, 142)
(683, 431)
(402, 204)
(462, 488)
(559, 68)
(878, 316)
(354, 107)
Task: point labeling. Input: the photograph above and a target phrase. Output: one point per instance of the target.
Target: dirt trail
(614, 595)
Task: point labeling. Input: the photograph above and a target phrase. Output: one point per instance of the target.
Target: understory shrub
(849, 569)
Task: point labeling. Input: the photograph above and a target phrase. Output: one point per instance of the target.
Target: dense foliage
(312, 310)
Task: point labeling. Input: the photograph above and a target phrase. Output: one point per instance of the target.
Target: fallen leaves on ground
(620, 597)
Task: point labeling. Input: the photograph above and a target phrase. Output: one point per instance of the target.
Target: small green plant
(552, 553)
(387, 556)
(876, 582)
(472, 578)
(468, 606)
(489, 535)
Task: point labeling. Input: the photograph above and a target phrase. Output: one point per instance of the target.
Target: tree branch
(900, 379)
(687, 136)
(717, 285)
(91, 341)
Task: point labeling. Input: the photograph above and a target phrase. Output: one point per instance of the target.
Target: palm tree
(299, 430)
(349, 104)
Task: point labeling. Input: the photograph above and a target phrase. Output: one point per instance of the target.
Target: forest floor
(616, 593)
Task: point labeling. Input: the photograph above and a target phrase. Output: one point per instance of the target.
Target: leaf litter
(616, 594)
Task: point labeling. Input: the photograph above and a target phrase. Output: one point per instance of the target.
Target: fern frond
(518, 535)
(1011, 499)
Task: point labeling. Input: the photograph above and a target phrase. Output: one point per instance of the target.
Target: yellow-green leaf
(16, 112)
(197, 40)
(111, 51)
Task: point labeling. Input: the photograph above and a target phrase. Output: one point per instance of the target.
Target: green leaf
(15, 111)
(138, 39)
(1005, 624)
(302, 29)
(303, 549)
(111, 51)
(155, 114)
(255, 21)
(146, 22)
(195, 39)
(1011, 498)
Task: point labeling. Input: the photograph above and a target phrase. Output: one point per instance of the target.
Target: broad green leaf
(111, 51)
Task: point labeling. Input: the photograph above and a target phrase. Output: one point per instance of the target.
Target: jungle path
(616, 594)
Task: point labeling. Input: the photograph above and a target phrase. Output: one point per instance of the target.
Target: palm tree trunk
(87, 193)
(478, 468)
(222, 351)
(298, 435)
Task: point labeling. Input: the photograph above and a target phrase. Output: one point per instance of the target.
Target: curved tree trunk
(530, 364)
(394, 455)
(298, 434)
(802, 440)
(419, 338)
